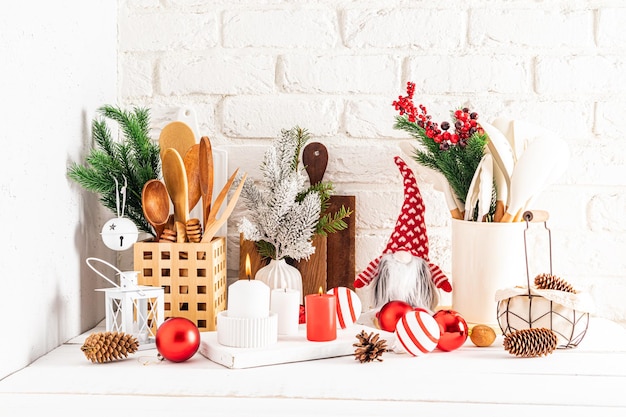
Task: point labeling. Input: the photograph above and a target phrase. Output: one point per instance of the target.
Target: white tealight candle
(285, 302)
(248, 299)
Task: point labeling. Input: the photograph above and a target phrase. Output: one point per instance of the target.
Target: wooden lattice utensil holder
(193, 276)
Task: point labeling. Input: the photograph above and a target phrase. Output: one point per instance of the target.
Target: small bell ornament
(120, 233)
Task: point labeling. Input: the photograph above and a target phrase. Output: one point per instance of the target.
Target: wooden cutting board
(340, 246)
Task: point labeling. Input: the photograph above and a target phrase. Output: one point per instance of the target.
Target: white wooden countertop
(587, 380)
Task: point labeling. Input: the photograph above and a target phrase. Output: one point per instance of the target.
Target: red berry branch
(465, 124)
(455, 153)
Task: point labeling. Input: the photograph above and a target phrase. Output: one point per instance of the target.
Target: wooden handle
(315, 160)
(536, 216)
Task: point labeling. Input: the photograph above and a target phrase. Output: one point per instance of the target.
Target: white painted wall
(58, 64)
(253, 67)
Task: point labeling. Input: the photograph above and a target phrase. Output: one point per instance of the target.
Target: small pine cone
(370, 347)
(552, 282)
(109, 346)
(529, 343)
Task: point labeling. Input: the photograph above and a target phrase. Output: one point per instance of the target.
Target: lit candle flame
(321, 291)
(248, 268)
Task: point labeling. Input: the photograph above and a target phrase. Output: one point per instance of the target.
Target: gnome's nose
(402, 256)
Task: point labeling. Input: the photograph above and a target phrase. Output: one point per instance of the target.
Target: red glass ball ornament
(390, 313)
(454, 330)
(177, 339)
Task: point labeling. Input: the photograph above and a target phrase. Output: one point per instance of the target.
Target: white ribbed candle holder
(247, 332)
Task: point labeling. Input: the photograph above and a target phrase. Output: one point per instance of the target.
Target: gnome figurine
(403, 272)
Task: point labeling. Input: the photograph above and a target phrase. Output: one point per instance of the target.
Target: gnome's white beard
(402, 276)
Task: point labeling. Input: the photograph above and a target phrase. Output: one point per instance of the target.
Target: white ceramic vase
(279, 274)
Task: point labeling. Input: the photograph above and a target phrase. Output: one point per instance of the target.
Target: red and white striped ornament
(418, 333)
(348, 306)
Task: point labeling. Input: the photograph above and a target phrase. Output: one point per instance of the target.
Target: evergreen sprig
(458, 164)
(135, 158)
(284, 215)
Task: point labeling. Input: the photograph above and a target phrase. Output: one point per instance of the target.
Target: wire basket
(529, 307)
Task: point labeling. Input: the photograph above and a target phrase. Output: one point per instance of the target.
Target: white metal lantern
(131, 308)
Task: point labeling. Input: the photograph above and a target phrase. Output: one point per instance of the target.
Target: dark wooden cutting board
(340, 246)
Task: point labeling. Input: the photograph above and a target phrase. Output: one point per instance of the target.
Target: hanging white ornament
(119, 233)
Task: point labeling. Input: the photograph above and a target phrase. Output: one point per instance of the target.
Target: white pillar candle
(248, 299)
(285, 302)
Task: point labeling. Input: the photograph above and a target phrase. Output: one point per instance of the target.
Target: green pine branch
(135, 158)
(458, 164)
(266, 249)
(332, 223)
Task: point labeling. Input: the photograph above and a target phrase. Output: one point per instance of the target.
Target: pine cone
(108, 346)
(529, 343)
(369, 348)
(552, 282)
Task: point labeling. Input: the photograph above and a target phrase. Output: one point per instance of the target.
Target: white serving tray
(288, 348)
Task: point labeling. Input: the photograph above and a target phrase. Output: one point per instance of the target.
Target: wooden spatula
(192, 169)
(175, 180)
(205, 162)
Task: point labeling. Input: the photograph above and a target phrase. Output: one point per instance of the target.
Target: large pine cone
(369, 347)
(529, 343)
(552, 282)
(109, 346)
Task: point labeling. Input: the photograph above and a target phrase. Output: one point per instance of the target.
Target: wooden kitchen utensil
(192, 169)
(340, 246)
(176, 183)
(205, 162)
(211, 230)
(156, 205)
(215, 207)
(177, 135)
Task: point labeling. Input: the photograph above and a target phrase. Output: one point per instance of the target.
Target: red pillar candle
(321, 317)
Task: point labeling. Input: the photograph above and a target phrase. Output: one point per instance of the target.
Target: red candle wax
(321, 317)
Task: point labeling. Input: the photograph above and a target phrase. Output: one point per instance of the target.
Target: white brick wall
(251, 68)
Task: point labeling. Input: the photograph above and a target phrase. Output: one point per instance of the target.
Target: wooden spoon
(192, 168)
(205, 162)
(155, 203)
(177, 135)
(176, 184)
(210, 232)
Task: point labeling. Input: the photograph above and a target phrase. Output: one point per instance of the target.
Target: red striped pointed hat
(409, 234)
